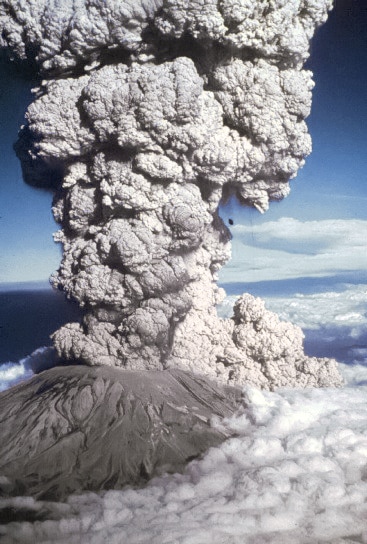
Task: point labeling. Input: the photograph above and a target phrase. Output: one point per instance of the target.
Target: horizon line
(34, 285)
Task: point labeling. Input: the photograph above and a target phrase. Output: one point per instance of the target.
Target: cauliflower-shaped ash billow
(149, 112)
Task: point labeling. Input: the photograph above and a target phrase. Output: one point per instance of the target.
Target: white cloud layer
(295, 474)
(289, 248)
(331, 309)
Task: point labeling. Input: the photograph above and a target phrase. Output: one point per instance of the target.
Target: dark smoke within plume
(149, 113)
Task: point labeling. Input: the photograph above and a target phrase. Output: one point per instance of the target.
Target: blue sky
(330, 187)
(333, 182)
(320, 229)
(27, 251)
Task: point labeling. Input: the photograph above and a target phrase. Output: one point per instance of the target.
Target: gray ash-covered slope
(149, 113)
(74, 429)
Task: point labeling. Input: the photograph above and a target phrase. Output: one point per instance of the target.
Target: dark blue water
(27, 318)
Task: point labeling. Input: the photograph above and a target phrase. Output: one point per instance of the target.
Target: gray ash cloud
(148, 115)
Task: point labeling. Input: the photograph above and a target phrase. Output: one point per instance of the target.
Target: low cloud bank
(148, 115)
(295, 473)
(333, 308)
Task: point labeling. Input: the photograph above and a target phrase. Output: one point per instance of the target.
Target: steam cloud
(150, 112)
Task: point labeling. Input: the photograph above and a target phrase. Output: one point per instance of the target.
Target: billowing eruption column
(150, 112)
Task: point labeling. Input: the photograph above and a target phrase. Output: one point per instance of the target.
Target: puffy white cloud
(295, 473)
(289, 248)
(334, 309)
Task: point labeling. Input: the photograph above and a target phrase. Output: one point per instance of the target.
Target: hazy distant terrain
(27, 318)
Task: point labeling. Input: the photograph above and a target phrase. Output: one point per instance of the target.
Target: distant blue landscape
(28, 317)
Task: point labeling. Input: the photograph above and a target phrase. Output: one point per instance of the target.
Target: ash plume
(150, 112)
